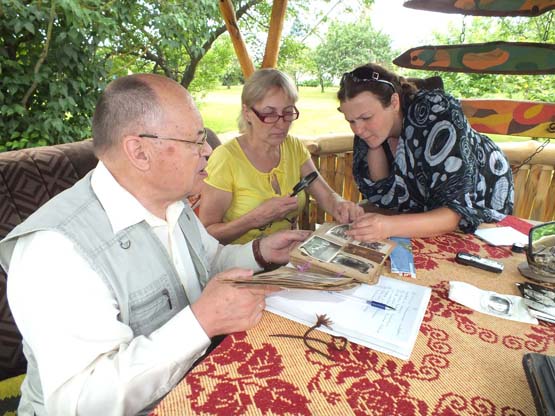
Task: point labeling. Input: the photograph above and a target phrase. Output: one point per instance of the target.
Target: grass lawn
(319, 115)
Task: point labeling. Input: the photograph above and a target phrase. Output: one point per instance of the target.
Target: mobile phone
(480, 262)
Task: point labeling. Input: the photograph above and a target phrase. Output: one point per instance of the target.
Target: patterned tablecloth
(463, 363)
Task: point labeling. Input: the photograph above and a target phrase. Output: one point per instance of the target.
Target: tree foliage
(50, 72)
(348, 45)
(295, 58)
(57, 56)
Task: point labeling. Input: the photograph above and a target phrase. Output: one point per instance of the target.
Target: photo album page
(330, 250)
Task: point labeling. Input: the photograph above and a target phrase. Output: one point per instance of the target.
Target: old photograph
(352, 263)
(339, 231)
(372, 255)
(320, 248)
(376, 245)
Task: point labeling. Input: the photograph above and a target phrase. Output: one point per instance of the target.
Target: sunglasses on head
(360, 75)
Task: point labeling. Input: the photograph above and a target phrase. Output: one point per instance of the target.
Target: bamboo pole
(274, 34)
(531, 189)
(539, 207)
(549, 213)
(228, 13)
(520, 180)
(516, 152)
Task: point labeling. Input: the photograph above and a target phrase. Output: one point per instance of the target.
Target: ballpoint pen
(373, 303)
(380, 305)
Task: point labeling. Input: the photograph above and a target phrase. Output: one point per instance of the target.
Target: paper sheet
(501, 236)
(392, 332)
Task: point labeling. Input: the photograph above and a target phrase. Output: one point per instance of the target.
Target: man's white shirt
(89, 362)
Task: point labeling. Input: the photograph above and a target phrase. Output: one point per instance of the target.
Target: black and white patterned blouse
(440, 161)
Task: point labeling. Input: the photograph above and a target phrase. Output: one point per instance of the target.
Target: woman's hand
(346, 211)
(273, 209)
(371, 227)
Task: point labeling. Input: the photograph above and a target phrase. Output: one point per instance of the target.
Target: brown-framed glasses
(200, 143)
(271, 118)
(363, 75)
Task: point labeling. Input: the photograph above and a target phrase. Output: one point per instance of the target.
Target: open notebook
(393, 332)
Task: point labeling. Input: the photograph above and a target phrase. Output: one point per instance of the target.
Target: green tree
(218, 62)
(295, 58)
(169, 37)
(56, 57)
(348, 45)
(50, 72)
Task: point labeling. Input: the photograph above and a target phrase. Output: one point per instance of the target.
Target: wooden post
(274, 34)
(228, 13)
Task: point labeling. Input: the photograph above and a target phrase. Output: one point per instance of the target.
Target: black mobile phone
(480, 262)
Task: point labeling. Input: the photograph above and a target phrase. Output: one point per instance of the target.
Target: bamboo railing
(534, 180)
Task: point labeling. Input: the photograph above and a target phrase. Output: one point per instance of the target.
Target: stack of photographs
(292, 278)
(539, 299)
(330, 250)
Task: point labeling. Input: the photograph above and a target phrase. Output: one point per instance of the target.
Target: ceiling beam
(228, 13)
(271, 53)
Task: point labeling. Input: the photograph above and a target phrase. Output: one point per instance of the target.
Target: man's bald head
(129, 106)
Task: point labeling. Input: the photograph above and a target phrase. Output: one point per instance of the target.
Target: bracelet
(259, 259)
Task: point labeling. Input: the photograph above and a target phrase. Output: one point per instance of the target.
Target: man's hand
(223, 308)
(276, 247)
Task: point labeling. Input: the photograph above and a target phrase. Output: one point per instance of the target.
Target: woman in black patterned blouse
(415, 153)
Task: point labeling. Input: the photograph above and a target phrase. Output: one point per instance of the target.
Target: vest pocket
(149, 308)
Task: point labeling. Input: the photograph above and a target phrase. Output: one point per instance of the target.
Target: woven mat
(463, 363)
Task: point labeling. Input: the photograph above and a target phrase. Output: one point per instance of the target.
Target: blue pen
(380, 305)
(373, 303)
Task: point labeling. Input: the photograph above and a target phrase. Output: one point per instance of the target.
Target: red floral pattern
(384, 397)
(454, 404)
(258, 370)
(250, 373)
(430, 252)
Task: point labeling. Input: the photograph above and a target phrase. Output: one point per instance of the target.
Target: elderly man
(114, 283)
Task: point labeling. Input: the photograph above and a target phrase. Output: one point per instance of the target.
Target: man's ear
(137, 151)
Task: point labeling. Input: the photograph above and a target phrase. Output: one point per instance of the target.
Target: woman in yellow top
(250, 178)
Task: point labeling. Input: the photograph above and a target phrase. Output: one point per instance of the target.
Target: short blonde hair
(258, 85)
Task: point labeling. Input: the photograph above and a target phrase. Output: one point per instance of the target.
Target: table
(463, 363)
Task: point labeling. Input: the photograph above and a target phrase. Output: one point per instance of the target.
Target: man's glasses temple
(198, 143)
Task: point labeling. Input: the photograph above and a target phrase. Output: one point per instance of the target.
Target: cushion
(29, 178)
